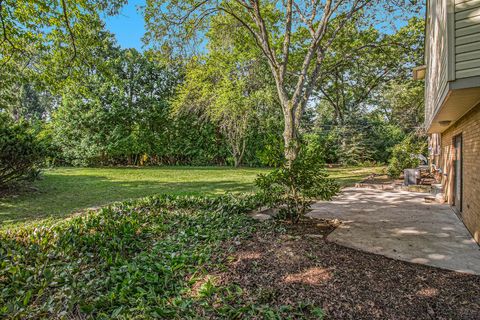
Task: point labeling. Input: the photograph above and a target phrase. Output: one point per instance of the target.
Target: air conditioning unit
(411, 176)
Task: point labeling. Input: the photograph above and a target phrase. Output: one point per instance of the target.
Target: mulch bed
(296, 267)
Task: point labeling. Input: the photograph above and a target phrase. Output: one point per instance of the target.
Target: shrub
(292, 189)
(21, 152)
(404, 155)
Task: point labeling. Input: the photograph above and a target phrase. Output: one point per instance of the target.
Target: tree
(401, 100)
(402, 103)
(273, 26)
(45, 44)
(226, 86)
(120, 114)
(360, 97)
(355, 83)
(216, 92)
(28, 27)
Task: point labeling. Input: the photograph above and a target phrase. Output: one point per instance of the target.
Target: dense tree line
(92, 103)
(122, 112)
(298, 41)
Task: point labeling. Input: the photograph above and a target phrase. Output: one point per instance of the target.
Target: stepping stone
(261, 216)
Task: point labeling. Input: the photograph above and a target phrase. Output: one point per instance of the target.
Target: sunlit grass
(62, 191)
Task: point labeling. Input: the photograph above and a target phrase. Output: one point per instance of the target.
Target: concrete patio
(400, 225)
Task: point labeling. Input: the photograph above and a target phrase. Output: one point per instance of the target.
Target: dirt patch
(292, 267)
(311, 227)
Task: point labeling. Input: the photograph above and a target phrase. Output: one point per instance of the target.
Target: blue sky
(128, 26)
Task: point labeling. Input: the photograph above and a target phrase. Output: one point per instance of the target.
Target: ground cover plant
(143, 259)
(62, 191)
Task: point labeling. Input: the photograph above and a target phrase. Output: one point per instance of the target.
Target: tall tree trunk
(236, 161)
(290, 134)
(237, 152)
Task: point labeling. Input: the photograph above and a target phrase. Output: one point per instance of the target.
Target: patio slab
(400, 225)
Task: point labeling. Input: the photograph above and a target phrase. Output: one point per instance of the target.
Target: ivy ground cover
(143, 259)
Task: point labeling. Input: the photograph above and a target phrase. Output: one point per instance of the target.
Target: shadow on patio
(400, 225)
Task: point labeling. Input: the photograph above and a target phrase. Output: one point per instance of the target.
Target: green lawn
(65, 190)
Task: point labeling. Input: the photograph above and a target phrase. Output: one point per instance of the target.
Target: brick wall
(469, 127)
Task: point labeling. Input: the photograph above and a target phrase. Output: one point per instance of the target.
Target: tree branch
(255, 35)
(69, 29)
(286, 40)
(264, 35)
(4, 28)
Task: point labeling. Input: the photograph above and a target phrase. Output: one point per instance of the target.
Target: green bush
(404, 155)
(21, 152)
(293, 188)
(358, 142)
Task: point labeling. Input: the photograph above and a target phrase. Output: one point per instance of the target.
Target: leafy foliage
(124, 114)
(120, 117)
(368, 139)
(404, 155)
(369, 103)
(119, 107)
(228, 86)
(296, 39)
(133, 259)
(402, 102)
(21, 152)
(293, 188)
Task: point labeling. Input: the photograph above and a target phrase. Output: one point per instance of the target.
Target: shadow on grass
(66, 190)
(65, 194)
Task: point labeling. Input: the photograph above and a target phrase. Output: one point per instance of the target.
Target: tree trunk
(236, 161)
(290, 106)
(290, 135)
(237, 155)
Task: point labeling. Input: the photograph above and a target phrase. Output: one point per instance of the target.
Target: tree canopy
(223, 82)
(295, 38)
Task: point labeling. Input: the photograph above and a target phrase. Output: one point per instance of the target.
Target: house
(452, 103)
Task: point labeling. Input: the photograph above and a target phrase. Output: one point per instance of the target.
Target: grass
(62, 191)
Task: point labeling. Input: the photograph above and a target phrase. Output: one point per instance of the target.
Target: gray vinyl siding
(437, 57)
(467, 38)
